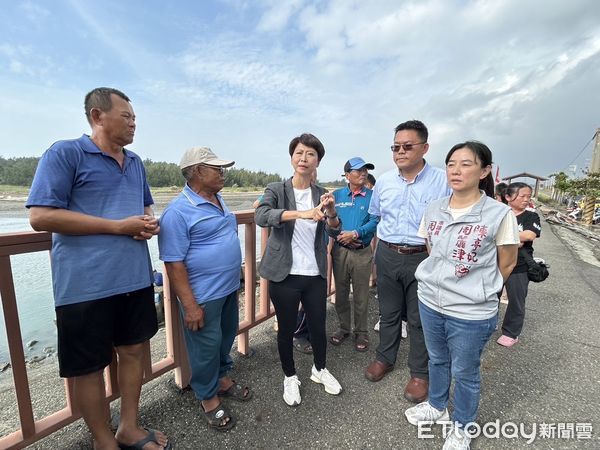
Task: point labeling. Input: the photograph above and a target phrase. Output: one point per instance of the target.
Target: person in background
(301, 215)
(352, 255)
(472, 242)
(399, 199)
(517, 196)
(92, 194)
(157, 277)
(498, 190)
(370, 181)
(201, 251)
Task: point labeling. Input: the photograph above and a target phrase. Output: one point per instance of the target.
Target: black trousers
(286, 296)
(516, 291)
(397, 289)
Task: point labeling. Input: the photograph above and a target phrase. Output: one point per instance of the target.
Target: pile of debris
(590, 232)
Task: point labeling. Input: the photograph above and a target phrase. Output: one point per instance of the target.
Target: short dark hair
(309, 140)
(100, 98)
(371, 179)
(416, 125)
(484, 155)
(500, 188)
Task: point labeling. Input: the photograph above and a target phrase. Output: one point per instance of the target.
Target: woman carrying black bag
(517, 196)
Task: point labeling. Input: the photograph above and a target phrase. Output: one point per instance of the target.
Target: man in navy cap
(352, 253)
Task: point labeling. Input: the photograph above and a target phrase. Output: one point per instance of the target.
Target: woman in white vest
(473, 242)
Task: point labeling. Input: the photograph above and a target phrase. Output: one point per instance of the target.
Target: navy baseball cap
(356, 163)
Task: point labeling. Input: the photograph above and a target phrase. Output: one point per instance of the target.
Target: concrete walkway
(552, 376)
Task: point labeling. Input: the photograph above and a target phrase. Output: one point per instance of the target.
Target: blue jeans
(208, 348)
(455, 347)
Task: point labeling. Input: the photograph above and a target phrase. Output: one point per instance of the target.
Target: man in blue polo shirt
(92, 194)
(200, 247)
(352, 253)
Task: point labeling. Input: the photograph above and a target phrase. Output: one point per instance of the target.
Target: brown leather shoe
(416, 390)
(377, 370)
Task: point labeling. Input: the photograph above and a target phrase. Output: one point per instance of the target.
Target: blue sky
(244, 77)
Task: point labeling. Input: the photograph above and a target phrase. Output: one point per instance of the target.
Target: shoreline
(13, 206)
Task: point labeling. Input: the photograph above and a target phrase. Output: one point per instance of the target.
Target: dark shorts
(88, 331)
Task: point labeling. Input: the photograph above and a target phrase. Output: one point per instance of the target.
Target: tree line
(20, 171)
(588, 185)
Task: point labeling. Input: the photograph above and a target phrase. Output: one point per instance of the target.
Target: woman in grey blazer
(301, 216)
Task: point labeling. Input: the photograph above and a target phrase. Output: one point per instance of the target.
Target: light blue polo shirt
(400, 204)
(204, 237)
(76, 175)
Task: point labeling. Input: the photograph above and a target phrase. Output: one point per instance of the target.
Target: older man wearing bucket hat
(199, 245)
(352, 254)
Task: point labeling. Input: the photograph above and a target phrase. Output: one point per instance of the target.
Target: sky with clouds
(244, 77)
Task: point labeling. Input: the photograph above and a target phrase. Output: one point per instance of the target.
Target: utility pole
(590, 200)
(595, 164)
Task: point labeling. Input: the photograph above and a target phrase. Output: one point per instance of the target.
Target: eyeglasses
(219, 169)
(407, 147)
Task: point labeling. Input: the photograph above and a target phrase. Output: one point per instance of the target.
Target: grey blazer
(276, 262)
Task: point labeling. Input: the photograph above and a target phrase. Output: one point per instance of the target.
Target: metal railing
(32, 430)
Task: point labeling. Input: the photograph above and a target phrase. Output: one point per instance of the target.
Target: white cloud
(278, 14)
(347, 70)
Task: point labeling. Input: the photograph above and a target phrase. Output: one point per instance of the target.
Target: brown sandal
(362, 343)
(219, 419)
(338, 337)
(237, 392)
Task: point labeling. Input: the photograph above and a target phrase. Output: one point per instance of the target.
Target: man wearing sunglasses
(201, 251)
(399, 199)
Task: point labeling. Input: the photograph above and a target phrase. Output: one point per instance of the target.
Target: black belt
(351, 248)
(405, 249)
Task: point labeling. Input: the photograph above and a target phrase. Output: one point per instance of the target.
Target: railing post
(265, 300)
(174, 334)
(243, 343)
(15, 347)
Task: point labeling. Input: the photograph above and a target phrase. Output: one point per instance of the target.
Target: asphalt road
(549, 383)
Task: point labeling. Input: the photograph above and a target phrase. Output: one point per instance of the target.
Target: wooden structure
(537, 179)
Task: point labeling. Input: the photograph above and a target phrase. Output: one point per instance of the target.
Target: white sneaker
(404, 329)
(291, 390)
(328, 381)
(457, 439)
(376, 327)
(424, 412)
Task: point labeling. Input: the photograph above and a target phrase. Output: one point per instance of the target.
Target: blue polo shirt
(353, 210)
(401, 203)
(76, 175)
(204, 237)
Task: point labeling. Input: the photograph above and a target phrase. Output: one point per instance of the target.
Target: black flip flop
(139, 445)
